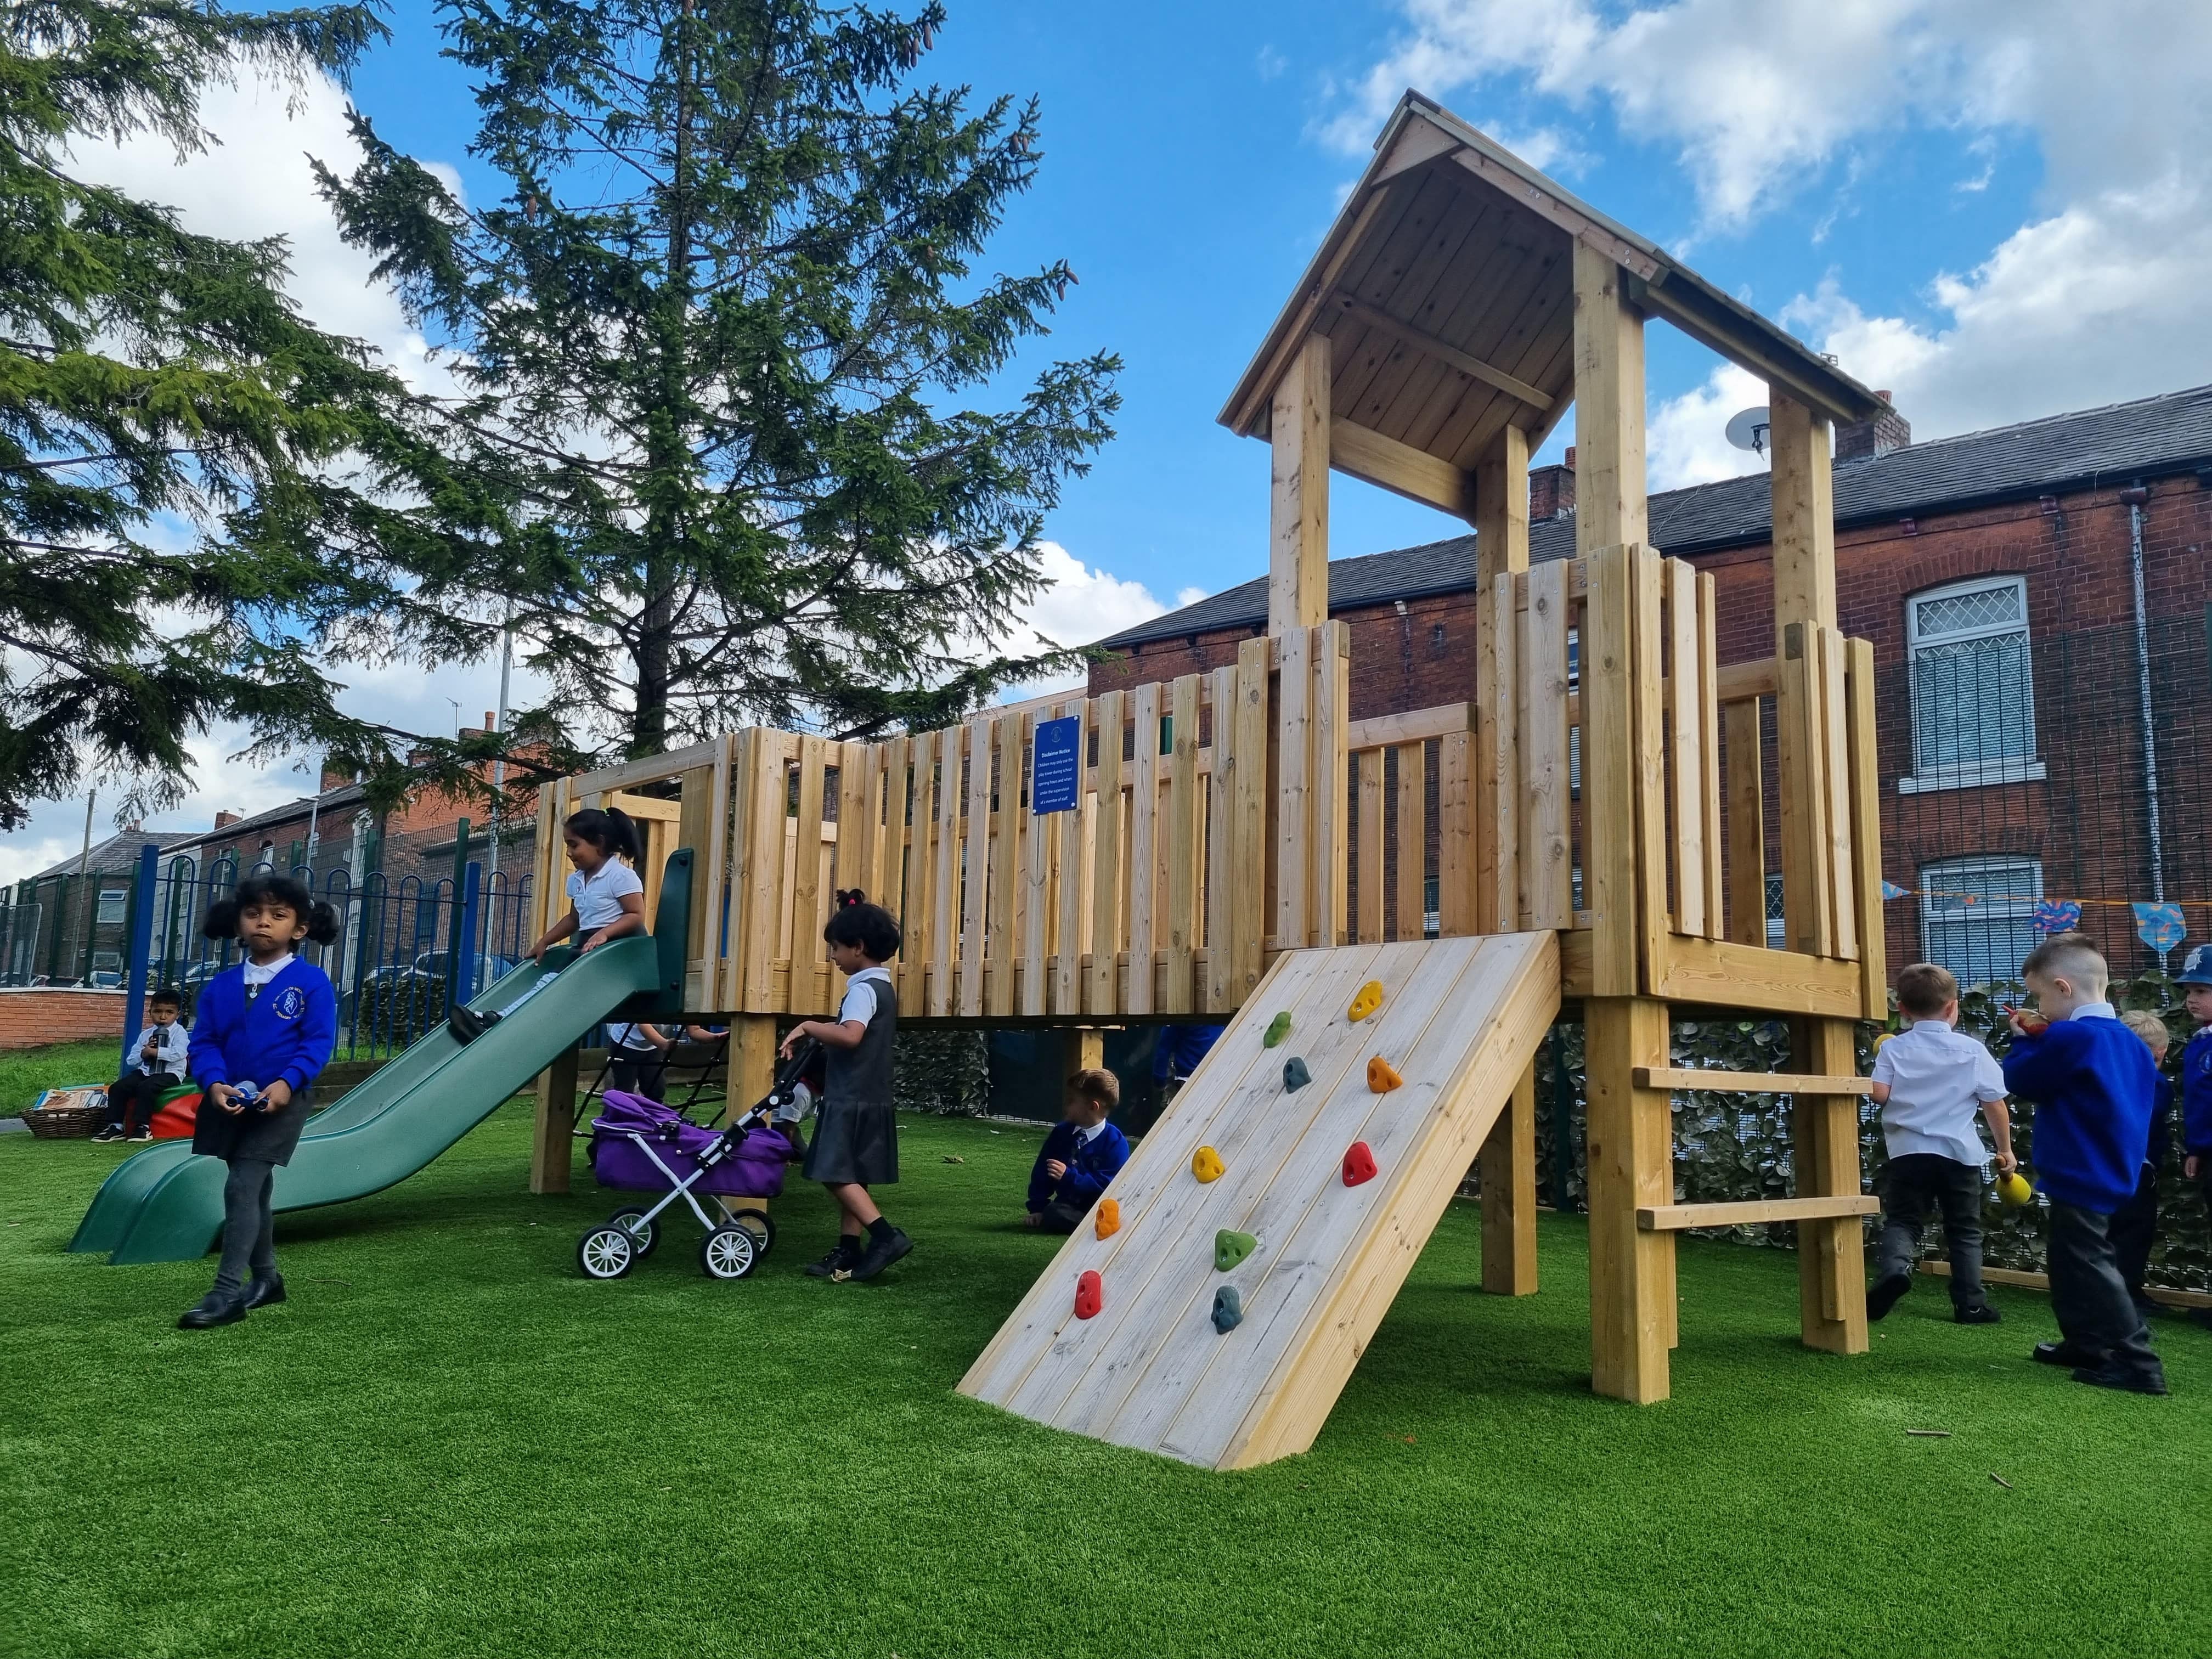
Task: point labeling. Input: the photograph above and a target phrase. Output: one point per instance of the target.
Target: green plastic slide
(166, 1204)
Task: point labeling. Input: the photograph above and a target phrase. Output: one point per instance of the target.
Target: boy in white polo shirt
(1929, 1080)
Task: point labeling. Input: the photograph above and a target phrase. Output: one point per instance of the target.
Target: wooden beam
(1609, 489)
(1824, 1158)
(1297, 566)
(1714, 1081)
(1719, 973)
(1429, 346)
(1415, 726)
(654, 768)
(1736, 681)
(1746, 821)
(1630, 1151)
(1501, 549)
(1610, 768)
(1400, 468)
(1866, 829)
(1671, 302)
(1672, 1217)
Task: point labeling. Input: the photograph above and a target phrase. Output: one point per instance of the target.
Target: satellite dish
(1746, 429)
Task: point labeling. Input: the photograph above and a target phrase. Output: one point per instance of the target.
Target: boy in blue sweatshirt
(1080, 1157)
(2195, 980)
(2093, 1085)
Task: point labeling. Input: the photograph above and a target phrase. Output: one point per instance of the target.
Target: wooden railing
(1607, 780)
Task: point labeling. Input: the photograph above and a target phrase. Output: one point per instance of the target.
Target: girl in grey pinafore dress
(856, 1134)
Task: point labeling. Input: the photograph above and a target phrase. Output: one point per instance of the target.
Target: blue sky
(1999, 209)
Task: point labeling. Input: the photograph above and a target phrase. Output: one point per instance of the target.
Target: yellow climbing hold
(1205, 1163)
(1109, 1216)
(1383, 1076)
(1368, 999)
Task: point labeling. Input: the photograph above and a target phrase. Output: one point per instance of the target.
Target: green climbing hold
(1228, 1310)
(1231, 1247)
(1295, 1075)
(1277, 1028)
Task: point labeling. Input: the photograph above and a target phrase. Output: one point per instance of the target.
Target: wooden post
(1825, 1142)
(1747, 810)
(1632, 1271)
(551, 1150)
(1804, 604)
(1508, 1159)
(751, 1059)
(1182, 840)
(1082, 1048)
(1824, 1131)
(1297, 564)
(1610, 504)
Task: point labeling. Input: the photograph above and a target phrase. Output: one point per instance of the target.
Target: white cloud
(1081, 605)
(2095, 299)
(1683, 438)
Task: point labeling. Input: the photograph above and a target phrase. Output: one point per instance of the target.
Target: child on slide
(856, 1136)
(264, 1029)
(606, 900)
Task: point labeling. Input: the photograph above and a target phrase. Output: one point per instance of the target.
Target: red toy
(1359, 1164)
(173, 1118)
(1090, 1295)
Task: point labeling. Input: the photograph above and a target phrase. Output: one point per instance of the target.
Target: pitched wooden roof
(1446, 290)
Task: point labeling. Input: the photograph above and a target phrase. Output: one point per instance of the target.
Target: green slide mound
(166, 1205)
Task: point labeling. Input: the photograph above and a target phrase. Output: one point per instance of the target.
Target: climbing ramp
(1165, 1361)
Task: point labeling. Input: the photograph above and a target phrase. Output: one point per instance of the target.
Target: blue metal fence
(405, 950)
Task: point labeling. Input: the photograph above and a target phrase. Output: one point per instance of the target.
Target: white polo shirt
(598, 898)
(1938, 1077)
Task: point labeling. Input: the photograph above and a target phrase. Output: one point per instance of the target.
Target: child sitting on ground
(2196, 981)
(2135, 1224)
(1928, 1080)
(1080, 1157)
(2092, 1083)
(157, 1060)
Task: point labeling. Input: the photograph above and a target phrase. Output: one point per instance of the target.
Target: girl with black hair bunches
(856, 1132)
(264, 1029)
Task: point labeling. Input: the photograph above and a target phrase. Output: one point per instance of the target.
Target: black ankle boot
(261, 1293)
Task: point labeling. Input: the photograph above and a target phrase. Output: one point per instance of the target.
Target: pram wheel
(729, 1253)
(608, 1252)
(760, 1224)
(634, 1223)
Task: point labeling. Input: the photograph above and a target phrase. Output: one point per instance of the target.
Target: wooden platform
(1461, 1021)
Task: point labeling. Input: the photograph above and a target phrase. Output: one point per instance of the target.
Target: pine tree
(699, 335)
(194, 482)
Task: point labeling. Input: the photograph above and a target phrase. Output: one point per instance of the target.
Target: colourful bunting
(2159, 926)
(1890, 890)
(2056, 915)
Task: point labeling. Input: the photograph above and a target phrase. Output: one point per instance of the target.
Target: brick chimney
(224, 820)
(1552, 489)
(1863, 440)
(335, 777)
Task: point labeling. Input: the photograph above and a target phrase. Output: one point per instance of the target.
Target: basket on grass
(70, 1114)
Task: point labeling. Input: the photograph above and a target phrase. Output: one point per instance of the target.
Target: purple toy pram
(639, 1144)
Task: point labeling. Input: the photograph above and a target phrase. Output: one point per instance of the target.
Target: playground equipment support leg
(552, 1153)
(1824, 1133)
(1630, 1163)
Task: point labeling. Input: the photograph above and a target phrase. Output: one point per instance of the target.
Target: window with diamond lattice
(1973, 694)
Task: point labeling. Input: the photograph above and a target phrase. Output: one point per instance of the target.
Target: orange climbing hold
(1368, 999)
(1359, 1164)
(1109, 1220)
(1205, 1163)
(1090, 1295)
(1383, 1076)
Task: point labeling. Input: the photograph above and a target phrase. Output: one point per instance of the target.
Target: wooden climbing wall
(1461, 1020)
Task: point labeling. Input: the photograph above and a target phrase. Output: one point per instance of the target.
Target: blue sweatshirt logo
(291, 1003)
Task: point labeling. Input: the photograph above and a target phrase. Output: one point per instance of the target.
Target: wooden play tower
(1600, 787)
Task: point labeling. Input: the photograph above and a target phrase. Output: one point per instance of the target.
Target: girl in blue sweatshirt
(264, 1029)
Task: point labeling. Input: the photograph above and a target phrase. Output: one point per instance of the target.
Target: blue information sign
(1056, 776)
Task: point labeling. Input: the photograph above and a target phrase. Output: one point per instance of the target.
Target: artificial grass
(449, 1442)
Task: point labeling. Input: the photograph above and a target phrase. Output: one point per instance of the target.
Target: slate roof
(118, 855)
(2169, 434)
(332, 800)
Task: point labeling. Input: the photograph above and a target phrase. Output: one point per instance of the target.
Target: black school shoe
(882, 1252)
(110, 1132)
(2111, 1377)
(1886, 1293)
(842, 1259)
(2065, 1353)
(213, 1309)
(1980, 1314)
(262, 1293)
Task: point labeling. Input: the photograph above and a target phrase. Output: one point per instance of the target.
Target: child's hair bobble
(266, 887)
(856, 921)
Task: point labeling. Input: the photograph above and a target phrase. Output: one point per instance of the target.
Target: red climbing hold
(1090, 1295)
(1358, 1164)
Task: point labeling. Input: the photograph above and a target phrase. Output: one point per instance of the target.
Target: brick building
(2045, 733)
(71, 922)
